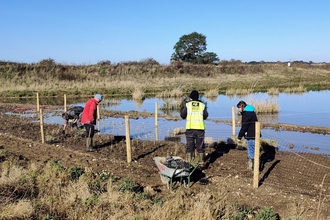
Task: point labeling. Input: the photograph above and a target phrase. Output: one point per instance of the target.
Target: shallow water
(311, 108)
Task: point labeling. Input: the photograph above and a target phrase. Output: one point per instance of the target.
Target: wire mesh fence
(291, 166)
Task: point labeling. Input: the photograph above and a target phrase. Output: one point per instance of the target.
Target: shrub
(75, 173)
(126, 186)
(267, 214)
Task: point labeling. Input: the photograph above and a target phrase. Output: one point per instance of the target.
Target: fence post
(128, 140)
(256, 157)
(98, 118)
(38, 108)
(156, 120)
(42, 127)
(233, 121)
(64, 102)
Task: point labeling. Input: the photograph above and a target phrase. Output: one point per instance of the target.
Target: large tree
(191, 48)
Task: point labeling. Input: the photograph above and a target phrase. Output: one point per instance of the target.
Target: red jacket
(89, 113)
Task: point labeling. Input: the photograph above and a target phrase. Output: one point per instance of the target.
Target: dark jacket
(249, 118)
(74, 113)
(183, 113)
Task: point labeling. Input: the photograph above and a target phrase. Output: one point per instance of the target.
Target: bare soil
(225, 165)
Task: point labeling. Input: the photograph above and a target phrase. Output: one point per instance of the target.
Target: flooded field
(308, 109)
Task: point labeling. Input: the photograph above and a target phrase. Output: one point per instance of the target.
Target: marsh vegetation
(52, 79)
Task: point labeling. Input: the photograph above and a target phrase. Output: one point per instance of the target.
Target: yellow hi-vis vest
(195, 115)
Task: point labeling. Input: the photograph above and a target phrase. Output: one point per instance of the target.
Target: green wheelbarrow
(174, 168)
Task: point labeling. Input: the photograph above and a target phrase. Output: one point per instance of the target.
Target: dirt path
(226, 166)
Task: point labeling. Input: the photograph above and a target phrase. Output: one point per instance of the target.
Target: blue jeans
(250, 148)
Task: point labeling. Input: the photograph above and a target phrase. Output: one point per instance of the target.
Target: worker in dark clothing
(75, 115)
(195, 113)
(249, 119)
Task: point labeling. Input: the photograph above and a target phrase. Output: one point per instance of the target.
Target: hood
(249, 108)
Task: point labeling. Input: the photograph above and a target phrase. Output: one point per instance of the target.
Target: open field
(51, 79)
(51, 193)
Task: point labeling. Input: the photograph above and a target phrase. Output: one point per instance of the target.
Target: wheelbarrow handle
(194, 169)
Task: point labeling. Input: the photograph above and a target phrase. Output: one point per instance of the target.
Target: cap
(98, 96)
(194, 95)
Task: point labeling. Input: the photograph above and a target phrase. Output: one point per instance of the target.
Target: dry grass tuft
(138, 94)
(264, 106)
(273, 91)
(299, 89)
(211, 93)
(22, 209)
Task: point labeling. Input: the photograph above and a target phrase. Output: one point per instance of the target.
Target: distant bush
(47, 62)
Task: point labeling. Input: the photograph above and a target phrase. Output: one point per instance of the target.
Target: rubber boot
(249, 163)
(201, 158)
(89, 145)
(188, 157)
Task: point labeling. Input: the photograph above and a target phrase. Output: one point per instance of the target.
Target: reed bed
(50, 79)
(239, 91)
(173, 104)
(138, 94)
(273, 91)
(299, 89)
(174, 93)
(263, 106)
(211, 93)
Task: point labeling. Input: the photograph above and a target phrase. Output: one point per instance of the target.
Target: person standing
(89, 119)
(249, 118)
(195, 112)
(74, 114)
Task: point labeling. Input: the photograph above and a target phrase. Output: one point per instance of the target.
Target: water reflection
(309, 108)
(108, 103)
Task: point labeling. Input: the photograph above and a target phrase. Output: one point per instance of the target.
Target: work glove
(239, 141)
(63, 131)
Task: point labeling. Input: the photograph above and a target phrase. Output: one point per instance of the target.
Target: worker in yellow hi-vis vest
(195, 113)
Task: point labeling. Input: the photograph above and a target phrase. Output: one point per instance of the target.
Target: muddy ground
(225, 165)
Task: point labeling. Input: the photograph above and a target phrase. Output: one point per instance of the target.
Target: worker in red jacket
(89, 119)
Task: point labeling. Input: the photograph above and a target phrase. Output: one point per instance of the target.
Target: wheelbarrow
(174, 167)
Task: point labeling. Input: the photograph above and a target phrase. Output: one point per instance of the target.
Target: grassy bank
(51, 79)
(55, 192)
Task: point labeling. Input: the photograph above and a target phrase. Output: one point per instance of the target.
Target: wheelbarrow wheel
(164, 179)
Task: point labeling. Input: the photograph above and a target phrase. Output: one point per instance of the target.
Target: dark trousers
(89, 130)
(195, 140)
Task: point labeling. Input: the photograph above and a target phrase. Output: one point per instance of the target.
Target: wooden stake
(256, 157)
(156, 114)
(98, 119)
(156, 120)
(128, 140)
(98, 113)
(233, 121)
(38, 108)
(64, 102)
(42, 127)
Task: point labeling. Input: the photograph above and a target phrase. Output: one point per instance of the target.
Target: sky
(87, 32)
